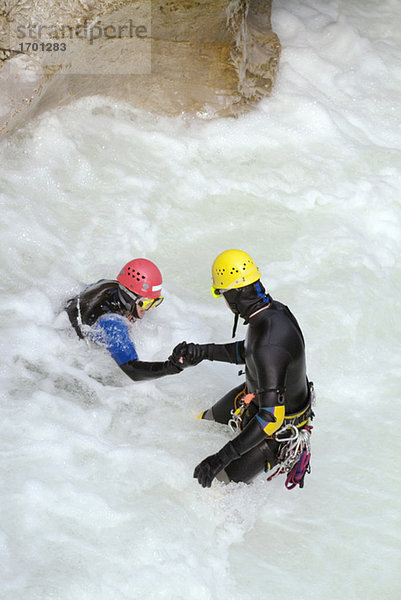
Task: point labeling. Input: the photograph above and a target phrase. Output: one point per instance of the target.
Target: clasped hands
(187, 354)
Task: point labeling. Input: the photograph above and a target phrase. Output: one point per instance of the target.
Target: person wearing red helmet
(102, 312)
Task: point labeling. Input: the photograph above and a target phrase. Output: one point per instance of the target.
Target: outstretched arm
(193, 354)
(112, 331)
(138, 370)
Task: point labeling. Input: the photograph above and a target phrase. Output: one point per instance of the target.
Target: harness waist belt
(301, 418)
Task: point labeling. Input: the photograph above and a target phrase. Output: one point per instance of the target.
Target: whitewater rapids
(97, 497)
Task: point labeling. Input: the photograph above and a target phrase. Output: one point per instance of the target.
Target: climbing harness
(293, 456)
(294, 452)
(295, 448)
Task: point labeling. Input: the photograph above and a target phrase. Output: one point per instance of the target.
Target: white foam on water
(98, 499)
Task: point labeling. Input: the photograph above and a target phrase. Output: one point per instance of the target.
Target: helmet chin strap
(132, 309)
(236, 315)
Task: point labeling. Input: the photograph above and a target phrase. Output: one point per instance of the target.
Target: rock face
(206, 58)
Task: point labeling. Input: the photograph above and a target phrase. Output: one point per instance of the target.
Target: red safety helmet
(142, 277)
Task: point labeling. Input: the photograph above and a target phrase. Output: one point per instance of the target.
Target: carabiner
(291, 438)
(234, 423)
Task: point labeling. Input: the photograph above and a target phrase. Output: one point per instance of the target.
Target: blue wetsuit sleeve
(112, 331)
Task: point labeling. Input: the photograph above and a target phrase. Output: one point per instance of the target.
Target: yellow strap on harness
(279, 414)
(290, 418)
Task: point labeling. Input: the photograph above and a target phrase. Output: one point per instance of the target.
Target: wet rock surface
(206, 58)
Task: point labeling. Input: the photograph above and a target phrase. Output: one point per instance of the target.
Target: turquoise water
(97, 497)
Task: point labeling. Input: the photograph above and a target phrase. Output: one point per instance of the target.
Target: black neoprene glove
(173, 366)
(207, 470)
(179, 355)
(196, 353)
(190, 354)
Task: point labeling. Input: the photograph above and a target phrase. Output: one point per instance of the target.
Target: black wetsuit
(99, 307)
(274, 357)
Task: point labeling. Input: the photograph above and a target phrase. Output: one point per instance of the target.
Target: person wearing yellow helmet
(276, 394)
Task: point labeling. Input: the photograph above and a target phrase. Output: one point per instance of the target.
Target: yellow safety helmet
(233, 269)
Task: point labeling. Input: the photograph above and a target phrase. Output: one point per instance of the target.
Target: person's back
(94, 301)
(275, 355)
